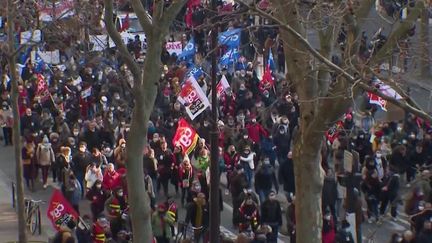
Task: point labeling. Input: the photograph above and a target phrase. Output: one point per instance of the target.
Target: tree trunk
(424, 44)
(145, 97)
(308, 183)
(22, 237)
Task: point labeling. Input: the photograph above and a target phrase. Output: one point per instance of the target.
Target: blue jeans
(248, 173)
(263, 194)
(273, 236)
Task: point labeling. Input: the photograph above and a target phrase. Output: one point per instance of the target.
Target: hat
(45, 139)
(104, 99)
(54, 135)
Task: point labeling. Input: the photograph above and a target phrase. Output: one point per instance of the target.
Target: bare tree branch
(172, 11)
(399, 33)
(115, 35)
(143, 16)
(348, 76)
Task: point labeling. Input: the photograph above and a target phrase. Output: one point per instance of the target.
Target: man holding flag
(267, 81)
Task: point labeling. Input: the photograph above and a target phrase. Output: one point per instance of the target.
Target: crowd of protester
(78, 142)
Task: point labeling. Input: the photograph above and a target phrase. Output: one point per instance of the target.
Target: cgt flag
(222, 86)
(230, 38)
(185, 136)
(376, 100)
(60, 212)
(193, 98)
(42, 88)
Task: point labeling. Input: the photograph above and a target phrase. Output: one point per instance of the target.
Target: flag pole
(214, 153)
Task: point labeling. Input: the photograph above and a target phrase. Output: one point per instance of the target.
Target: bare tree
(324, 100)
(146, 79)
(11, 57)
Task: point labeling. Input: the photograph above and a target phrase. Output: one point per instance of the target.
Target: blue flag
(39, 63)
(196, 72)
(230, 38)
(188, 51)
(230, 57)
(270, 61)
(24, 56)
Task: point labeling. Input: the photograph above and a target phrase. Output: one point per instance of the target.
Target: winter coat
(248, 159)
(73, 192)
(265, 177)
(45, 154)
(329, 192)
(271, 213)
(161, 225)
(111, 180)
(91, 177)
(255, 131)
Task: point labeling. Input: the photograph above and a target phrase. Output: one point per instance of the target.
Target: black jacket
(271, 212)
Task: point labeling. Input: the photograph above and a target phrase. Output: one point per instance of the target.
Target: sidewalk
(8, 216)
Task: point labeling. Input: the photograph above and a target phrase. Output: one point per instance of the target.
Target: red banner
(60, 212)
(376, 100)
(333, 132)
(42, 88)
(185, 136)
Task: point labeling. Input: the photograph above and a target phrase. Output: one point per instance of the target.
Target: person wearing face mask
(371, 188)
(380, 164)
(6, 122)
(92, 136)
(271, 215)
(265, 178)
(399, 160)
(111, 178)
(115, 205)
(120, 154)
(247, 161)
(281, 143)
(81, 160)
(29, 123)
(93, 174)
(249, 215)
(45, 158)
(73, 191)
(228, 103)
(97, 197)
(231, 158)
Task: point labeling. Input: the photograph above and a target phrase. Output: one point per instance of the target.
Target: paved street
(381, 233)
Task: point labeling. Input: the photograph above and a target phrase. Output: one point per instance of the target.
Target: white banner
(193, 98)
(174, 47)
(99, 42)
(49, 57)
(29, 36)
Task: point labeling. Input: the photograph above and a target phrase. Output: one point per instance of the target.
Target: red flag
(267, 80)
(333, 132)
(375, 99)
(185, 136)
(42, 88)
(125, 24)
(60, 212)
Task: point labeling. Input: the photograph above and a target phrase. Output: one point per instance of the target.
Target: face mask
(421, 208)
(412, 136)
(327, 217)
(123, 145)
(378, 155)
(253, 120)
(98, 186)
(399, 129)
(245, 136)
(361, 136)
(120, 194)
(75, 133)
(281, 131)
(266, 162)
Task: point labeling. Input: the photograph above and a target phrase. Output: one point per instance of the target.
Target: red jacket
(231, 161)
(98, 234)
(183, 176)
(330, 236)
(111, 180)
(255, 131)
